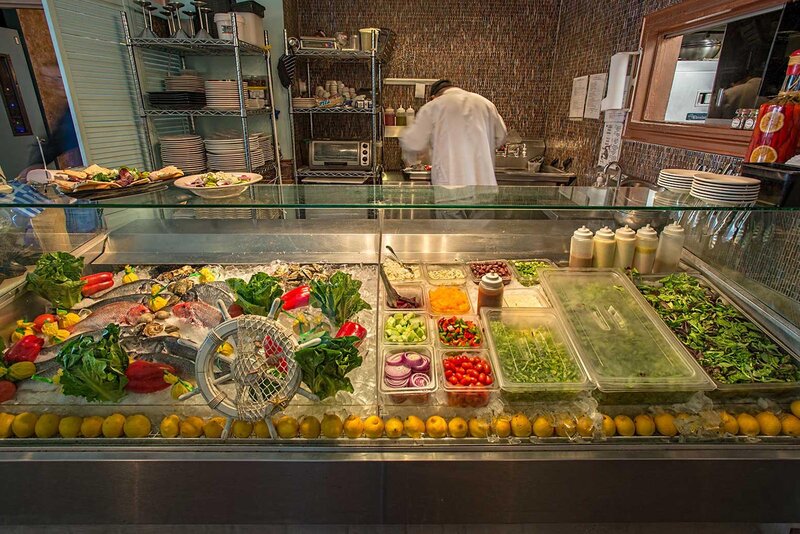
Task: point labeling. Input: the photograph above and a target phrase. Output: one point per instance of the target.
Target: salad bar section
(472, 344)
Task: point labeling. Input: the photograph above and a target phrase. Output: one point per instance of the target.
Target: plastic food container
(395, 273)
(522, 341)
(431, 268)
(409, 395)
(440, 311)
(416, 315)
(411, 290)
(724, 391)
(442, 345)
(466, 396)
(628, 351)
(477, 279)
(529, 281)
(528, 297)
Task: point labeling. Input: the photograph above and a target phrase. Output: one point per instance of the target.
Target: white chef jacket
(463, 130)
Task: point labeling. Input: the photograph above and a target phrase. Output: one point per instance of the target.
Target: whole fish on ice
(124, 312)
(198, 313)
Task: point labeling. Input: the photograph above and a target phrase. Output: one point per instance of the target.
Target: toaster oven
(332, 155)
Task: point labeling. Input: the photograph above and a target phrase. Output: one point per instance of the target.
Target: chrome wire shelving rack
(236, 49)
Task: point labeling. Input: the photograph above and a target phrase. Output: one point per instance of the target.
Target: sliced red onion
(396, 359)
(413, 359)
(397, 372)
(423, 367)
(419, 380)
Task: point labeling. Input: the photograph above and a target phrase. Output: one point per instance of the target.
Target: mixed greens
(339, 298)
(256, 296)
(326, 365)
(532, 355)
(57, 278)
(728, 346)
(94, 370)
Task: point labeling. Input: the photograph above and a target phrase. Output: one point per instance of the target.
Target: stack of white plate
(223, 94)
(187, 81)
(227, 153)
(185, 152)
(678, 180)
(265, 144)
(304, 103)
(723, 188)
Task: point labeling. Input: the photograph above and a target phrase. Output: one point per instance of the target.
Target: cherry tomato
(482, 378)
(489, 381)
(43, 319)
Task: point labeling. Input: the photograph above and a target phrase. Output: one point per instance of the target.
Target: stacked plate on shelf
(265, 144)
(187, 81)
(224, 94)
(176, 100)
(226, 153)
(304, 103)
(678, 180)
(185, 152)
(713, 187)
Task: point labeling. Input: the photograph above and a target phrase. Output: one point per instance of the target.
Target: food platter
(99, 183)
(218, 191)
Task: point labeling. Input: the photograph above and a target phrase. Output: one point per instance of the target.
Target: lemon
(331, 426)
(665, 424)
(287, 427)
(521, 425)
(192, 427)
(769, 423)
(566, 427)
(214, 427)
(790, 425)
(310, 427)
(170, 426)
(478, 428)
(70, 427)
(414, 426)
(501, 426)
(436, 426)
(585, 426)
(112, 425)
(748, 425)
(645, 426)
(543, 427)
(353, 427)
(373, 427)
(47, 425)
(242, 429)
(795, 408)
(609, 428)
(393, 427)
(24, 424)
(137, 426)
(728, 423)
(261, 429)
(5, 424)
(625, 426)
(457, 427)
(92, 426)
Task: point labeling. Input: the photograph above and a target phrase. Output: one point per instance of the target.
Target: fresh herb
(532, 355)
(326, 365)
(103, 177)
(339, 298)
(57, 278)
(529, 271)
(728, 346)
(94, 370)
(256, 296)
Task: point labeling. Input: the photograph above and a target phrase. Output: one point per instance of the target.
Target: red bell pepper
(147, 377)
(296, 298)
(352, 329)
(96, 282)
(24, 350)
(43, 319)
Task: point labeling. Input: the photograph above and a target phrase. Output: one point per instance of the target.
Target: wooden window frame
(680, 18)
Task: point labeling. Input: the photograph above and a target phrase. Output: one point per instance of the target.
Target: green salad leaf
(324, 366)
(94, 370)
(57, 278)
(256, 296)
(339, 298)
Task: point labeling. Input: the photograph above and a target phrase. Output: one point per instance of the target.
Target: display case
(202, 385)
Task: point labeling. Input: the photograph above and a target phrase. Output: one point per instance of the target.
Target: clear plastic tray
(466, 396)
(620, 338)
(421, 315)
(441, 345)
(414, 265)
(442, 266)
(529, 281)
(411, 289)
(537, 329)
(433, 311)
(745, 390)
(526, 297)
(477, 279)
(407, 395)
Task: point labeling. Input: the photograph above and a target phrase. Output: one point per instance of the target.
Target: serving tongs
(393, 298)
(398, 260)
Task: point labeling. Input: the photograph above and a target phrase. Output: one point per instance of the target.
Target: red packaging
(776, 133)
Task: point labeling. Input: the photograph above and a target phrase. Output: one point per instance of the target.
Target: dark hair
(439, 86)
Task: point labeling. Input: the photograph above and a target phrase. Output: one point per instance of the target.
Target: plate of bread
(96, 182)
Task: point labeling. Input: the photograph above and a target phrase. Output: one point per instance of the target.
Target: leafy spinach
(339, 298)
(57, 278)
(94, 370)
(256, 296)
(325, 365)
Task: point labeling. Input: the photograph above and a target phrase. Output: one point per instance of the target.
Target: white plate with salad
(218, 184)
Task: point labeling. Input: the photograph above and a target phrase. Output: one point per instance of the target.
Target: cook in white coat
(462, 130)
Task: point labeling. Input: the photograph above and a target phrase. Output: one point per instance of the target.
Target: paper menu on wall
(594, 95)
(577, 101)
(611, 144)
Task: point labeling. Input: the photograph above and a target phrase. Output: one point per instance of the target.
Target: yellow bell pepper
(226, 349)
(61, 335)
(206, 276)
(50, 329)
(156, 303)
(130, 275)
(156, 289)
(69, 320)
(169, 378)
(24, 328)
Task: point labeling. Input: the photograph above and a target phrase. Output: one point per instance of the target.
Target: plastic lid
(389, 110)
(673, 229)
(625, 233)
(604, 234)
(492, 281)
(647, 232)
(583, 233)
(401, 109)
